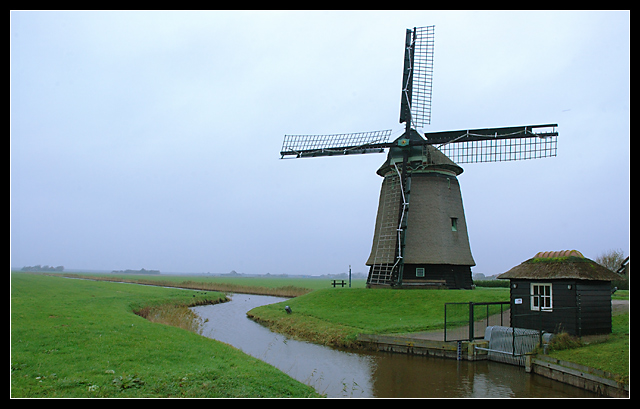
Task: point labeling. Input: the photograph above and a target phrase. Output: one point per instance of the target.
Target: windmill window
(454, 224)
(420, 272)
(541, 297)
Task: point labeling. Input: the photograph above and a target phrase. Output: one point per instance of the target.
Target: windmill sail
(337, 144)
(417, 77)
(497, 144)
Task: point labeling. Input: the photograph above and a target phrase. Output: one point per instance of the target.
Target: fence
(492, 322)
(468, 321)
(510, 345)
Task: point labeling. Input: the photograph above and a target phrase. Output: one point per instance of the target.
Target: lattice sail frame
(335, 144)
(523, 144)
(501, 150)
(422, 76)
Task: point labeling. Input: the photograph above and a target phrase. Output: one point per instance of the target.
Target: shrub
(564, 341)
(491, 283)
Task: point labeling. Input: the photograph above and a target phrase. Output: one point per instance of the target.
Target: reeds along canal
(345, 373)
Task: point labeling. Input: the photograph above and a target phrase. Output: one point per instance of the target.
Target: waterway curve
(341, 373)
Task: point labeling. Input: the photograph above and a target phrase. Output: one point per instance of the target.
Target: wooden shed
(561, 291)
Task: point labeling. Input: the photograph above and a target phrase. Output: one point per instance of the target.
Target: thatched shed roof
(560, 265)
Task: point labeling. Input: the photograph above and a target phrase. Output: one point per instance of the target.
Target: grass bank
(608, 353)
(611, 355)
(78, 338)
(334, 317)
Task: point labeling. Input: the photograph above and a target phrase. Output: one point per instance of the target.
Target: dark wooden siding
(583, 309)
(565, 311)
(594, 298)
(455, 276)
(523, 317)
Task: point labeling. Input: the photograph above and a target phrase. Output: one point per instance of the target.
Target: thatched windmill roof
(566, 264)
(426, 155)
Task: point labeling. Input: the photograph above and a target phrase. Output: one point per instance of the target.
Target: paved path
(620, 306)
(617, 306)
(460, 333)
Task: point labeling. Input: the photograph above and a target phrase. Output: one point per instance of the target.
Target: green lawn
(334, 317)
(78, 338)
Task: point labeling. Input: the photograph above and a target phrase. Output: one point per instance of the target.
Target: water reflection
(344, 373)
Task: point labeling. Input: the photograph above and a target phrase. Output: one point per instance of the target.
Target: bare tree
(611, 259)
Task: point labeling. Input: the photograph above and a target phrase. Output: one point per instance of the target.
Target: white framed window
(541, 297)
(419, 272)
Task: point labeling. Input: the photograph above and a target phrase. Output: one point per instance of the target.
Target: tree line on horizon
(39, 268)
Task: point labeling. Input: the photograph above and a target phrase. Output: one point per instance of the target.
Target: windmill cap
(428, 156)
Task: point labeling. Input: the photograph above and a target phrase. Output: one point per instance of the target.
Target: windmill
(420, 238)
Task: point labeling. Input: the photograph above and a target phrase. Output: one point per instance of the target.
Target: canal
(365, 374)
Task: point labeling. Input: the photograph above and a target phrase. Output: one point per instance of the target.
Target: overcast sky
(151, 139)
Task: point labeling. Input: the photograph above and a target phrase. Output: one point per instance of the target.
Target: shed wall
(564, 313)
(595, 305)
(580, 307)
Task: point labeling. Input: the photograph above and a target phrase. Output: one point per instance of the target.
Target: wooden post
(471, 331)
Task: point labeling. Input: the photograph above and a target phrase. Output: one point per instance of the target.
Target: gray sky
(151, 139)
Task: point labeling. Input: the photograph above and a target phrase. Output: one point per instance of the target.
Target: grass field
(79, 338)
(276, 286)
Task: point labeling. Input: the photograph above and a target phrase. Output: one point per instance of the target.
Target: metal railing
(468, 321)
(510, 345)
(492, 321)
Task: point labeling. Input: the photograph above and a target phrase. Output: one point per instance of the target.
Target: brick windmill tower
(420, 238)
(435, 248)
